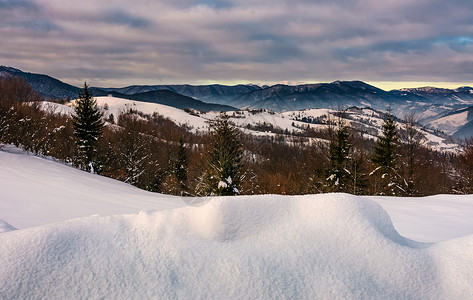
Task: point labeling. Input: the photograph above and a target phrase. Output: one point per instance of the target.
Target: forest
(155, 154)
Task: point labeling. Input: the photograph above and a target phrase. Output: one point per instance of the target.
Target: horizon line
(386, 85)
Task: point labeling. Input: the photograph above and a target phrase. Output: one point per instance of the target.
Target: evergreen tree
(180, 165)
(339, 149)
(88, 124)
(384, 156)
(224, 174)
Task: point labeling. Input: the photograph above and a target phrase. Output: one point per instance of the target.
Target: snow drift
(36, 191)
(321, 246)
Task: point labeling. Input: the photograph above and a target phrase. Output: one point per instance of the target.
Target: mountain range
(435, 107)
(52, 88)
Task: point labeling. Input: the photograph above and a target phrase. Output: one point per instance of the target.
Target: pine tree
(385, 155)
(339, 149)
(225, 170)
(180, 165)
(88, 124)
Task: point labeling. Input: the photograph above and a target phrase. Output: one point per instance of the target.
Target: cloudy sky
(122, 42)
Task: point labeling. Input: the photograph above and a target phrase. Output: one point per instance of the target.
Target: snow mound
(319, 246)
(36, 191)
(5, 227)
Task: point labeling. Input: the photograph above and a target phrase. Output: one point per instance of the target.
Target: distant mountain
(429, 103)
(459, 96)
(215, 93)
(173, 99)
(46, 85)
(52, 88)
(322, 95)
(428, 100)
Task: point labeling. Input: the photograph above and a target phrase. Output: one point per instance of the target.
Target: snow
(57, 108)
(179, 116)
(314, 113)
(449, 124)
(283, 121)
(222, 184)
(35, 191)
(148, 245)
(5, 227)
(322, 246)
(430, 219)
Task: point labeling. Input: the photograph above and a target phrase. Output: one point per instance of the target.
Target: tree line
(153, 153)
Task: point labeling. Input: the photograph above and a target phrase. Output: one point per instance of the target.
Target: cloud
(119, 17)
(35, 25)
(211, 40)
(16, 4)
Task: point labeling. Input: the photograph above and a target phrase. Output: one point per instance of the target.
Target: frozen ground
(317, 246)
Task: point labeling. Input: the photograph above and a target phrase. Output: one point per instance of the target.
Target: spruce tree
(225, 169)
(88, 124)
(384, 156)
(339, 149)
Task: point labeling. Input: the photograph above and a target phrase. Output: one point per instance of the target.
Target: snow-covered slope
(259, 122)
(198, 120)
(36, 191)
(179, 116)
(451, 122)
(458, 123)
(324, 246)
(315, 246)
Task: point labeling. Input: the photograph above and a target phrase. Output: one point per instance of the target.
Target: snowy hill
(37, 191)
(456, 123)
(315, 246)
(261, 122)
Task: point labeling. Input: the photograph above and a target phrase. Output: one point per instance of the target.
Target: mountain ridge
(429, 103)
(52, 88)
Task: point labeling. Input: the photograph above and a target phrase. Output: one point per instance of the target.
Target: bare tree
(465, 168)
(411, 138)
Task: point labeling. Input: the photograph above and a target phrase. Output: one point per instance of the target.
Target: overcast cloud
(154, 42)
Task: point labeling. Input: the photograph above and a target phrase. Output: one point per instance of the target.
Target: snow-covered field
(82, 236)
